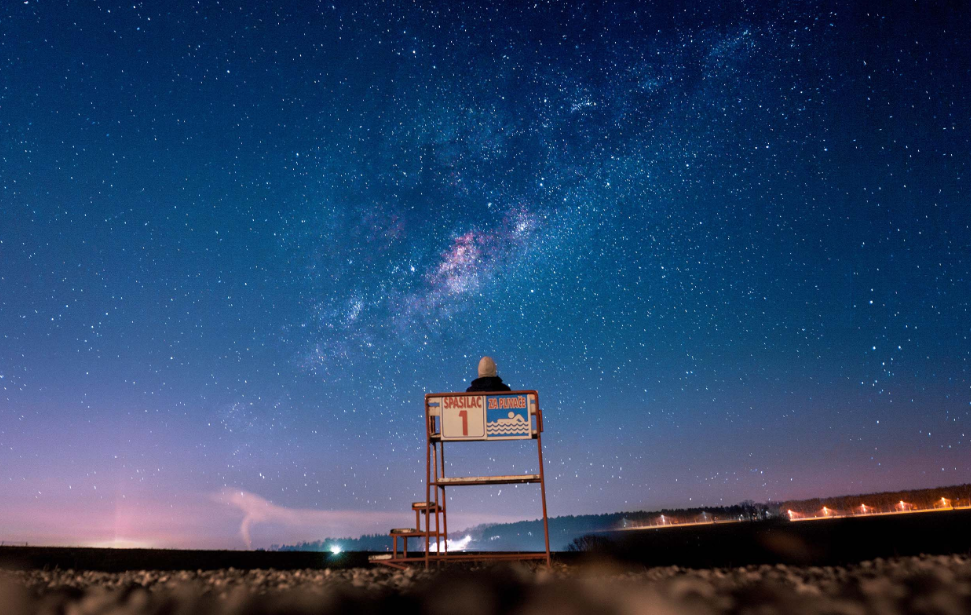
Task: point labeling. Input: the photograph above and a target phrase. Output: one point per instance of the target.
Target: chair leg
(418, 522)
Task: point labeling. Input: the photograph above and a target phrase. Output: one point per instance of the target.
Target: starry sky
(729, 244)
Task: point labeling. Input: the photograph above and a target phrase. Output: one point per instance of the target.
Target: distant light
(335, 549)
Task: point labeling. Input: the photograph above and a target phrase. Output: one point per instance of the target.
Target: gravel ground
(931, 585)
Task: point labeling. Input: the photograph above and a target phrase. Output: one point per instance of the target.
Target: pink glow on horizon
(228, 519)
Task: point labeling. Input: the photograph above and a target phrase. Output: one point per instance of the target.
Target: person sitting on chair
(487, 381)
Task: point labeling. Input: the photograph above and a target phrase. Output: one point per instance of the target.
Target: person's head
(487, 368)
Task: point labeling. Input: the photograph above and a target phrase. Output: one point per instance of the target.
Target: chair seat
(378, 558)
(431, 506)
(407, 530)
(487, 480)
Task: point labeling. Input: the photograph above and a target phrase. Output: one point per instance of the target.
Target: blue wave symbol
(514, 426)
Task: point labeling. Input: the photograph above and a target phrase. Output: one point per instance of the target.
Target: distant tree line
(368, 542)
(886, 501)
(564, 530)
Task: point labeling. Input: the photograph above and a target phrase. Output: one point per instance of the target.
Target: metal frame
(435, 459)
(392, 559)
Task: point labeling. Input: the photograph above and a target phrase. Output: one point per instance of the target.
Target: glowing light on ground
(455, 545)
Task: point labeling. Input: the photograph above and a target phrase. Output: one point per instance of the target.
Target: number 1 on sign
(463, 418)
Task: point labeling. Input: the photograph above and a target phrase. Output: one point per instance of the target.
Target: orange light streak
(900, 508)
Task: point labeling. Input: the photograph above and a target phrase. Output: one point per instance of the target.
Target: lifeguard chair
(478, 417)
(468, 417)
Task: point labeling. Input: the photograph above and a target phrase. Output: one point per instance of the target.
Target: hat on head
(487, 368)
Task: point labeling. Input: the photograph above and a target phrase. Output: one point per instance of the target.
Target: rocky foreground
(929, 585)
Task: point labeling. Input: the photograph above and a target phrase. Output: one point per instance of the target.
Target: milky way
(729, 246)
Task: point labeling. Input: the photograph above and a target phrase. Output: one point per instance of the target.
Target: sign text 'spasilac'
(464, 402)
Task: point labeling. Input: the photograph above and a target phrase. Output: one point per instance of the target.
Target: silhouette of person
(488, 380)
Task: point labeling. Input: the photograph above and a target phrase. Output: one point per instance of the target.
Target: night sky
(729, 245)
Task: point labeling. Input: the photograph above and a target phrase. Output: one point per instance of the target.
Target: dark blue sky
(239, 241)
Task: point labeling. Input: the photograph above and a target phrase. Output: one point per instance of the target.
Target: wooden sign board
(490, 416)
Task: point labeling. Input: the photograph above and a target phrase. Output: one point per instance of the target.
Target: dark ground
(929, 585)
(120, 560)
(829, 542)
(841, 566)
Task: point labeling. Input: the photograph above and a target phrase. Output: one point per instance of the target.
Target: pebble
(938, 585)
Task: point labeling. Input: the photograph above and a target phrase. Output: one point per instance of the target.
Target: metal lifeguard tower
(478, 417)
(469, 417)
